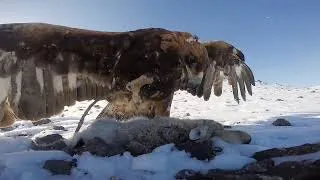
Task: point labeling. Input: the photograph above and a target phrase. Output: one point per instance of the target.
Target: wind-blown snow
(300, 106)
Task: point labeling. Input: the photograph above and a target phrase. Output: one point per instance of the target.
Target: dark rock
(300, 97)
(50, 142)
(200, 150)
(296, 170)
(224, 175)
(98, 147)
(97, 106)
(279, 100)
(59, 167)
(259, 167)
(313, 91)
(41, 122)
(227, 127)
(61, 128)
(188, 114)
(262, 170)
(291, 151)
(281, 122)
(185, 173)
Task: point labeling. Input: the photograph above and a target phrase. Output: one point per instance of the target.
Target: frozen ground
(301, 106)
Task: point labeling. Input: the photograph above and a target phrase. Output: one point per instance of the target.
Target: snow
(300, 106)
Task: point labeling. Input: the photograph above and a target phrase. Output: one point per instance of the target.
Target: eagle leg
(130, 103)
(8, 116)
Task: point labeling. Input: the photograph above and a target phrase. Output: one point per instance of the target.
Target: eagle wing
(226, 62)
(46, 67)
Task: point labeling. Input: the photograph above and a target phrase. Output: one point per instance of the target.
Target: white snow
(255, 116)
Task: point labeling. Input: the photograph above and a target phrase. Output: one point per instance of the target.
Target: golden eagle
(45, 67)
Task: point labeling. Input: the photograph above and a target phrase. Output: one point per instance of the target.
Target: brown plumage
(44, 67)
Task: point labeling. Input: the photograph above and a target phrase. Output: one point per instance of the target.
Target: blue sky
(280, 39)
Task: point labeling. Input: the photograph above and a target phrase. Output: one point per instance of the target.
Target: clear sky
(280, 38)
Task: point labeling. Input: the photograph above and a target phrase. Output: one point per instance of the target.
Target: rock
(296, 171)
(227, 127)
(200, 150)
(41, 122)
(291, 151)
(61, 128)
(185, 173)
(97, 106)
(187, 114)
(98, 147)
(259, 167)
(223, 175)
(264, 169)
(279, 100)
(50, 142)
(313, 91)
(59, 167)
(300, 97)
(281, 122)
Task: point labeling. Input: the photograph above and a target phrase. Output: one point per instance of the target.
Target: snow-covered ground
(300, 106)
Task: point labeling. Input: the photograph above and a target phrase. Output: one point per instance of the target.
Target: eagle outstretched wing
(226, 61)
(45, 67)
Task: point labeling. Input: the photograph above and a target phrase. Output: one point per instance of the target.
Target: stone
(259, 167)
(185, 173)
(50, 142)
(61, 128)
(279, 100)
(221, 174)
(97, 106)
(41, 122)
(281, 122)
(59, 167)
(296, 170)
(291, 151)
(300, 97)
